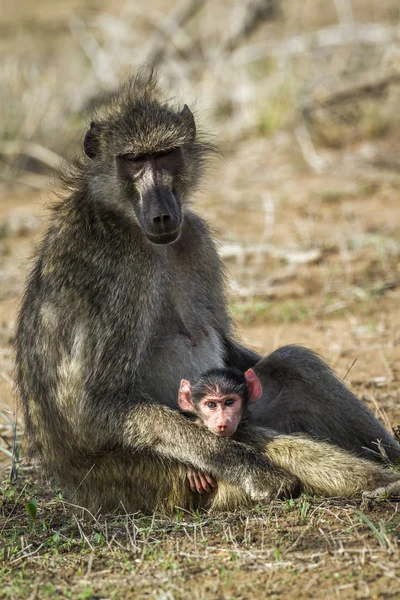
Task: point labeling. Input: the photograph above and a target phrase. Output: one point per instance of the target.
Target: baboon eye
(133, 157)
(229, 402)
(169, 159)
(211, 404)
(164, 153)
(131, 165)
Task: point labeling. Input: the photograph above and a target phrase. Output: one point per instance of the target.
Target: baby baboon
(104, 311)
(220, 398)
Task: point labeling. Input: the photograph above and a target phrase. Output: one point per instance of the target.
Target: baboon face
(220, 398)
(155, 197)
(146, 148)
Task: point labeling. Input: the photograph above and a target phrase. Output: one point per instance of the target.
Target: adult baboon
(126, 299)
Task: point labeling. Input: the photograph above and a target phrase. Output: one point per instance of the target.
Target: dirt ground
(312, 259)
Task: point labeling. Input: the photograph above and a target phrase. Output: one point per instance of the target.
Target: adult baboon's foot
(390, 491)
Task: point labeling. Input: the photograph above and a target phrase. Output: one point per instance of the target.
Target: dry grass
(308, 548)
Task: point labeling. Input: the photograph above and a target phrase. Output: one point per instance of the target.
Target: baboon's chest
(178, 357)
(184, 345)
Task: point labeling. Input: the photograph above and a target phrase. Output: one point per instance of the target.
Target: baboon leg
(322, 468)
(330, 471)
(112, 485)
(302, 394)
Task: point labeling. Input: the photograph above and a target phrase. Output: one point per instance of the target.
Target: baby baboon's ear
(91, 140)
(253, 385)
(188, 118)
(185, 396)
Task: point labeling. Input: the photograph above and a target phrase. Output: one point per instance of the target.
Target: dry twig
(36, 151)
(370, 87)
(254, 13)
(178, 18)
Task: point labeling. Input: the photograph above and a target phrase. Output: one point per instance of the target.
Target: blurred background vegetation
(325, 70)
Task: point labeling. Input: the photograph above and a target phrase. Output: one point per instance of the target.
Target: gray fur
(302, 394)
(106, 313)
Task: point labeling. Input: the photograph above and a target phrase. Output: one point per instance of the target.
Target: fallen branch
(291, 256)
(100, 60)
(375, 34)
(314, 160)
(36, 151)
(371, 87)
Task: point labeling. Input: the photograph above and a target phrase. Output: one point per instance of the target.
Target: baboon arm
(238, 356)
(169, 435)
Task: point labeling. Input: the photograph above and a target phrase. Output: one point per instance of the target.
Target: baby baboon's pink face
(220, 410)
(221, 414)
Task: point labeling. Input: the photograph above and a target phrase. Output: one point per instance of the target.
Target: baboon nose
(161, 223)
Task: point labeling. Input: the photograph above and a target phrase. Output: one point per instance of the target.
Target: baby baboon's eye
(229, 402)
(211, 404)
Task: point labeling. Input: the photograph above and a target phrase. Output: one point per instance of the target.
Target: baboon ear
(253, 385)
(91, 141)
(185, 396)
(188, 118)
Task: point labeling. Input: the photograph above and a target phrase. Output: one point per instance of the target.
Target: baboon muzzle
(165, 238)
(162, 216)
